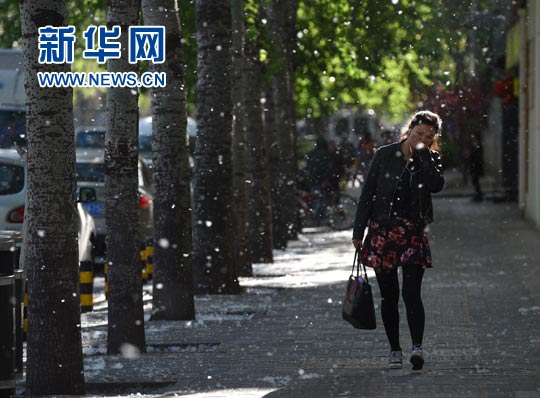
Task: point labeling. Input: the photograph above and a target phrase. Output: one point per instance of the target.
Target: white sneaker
(395, 360)
(417, 357)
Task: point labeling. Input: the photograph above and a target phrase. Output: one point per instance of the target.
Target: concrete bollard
(20, 279)
(86, 285)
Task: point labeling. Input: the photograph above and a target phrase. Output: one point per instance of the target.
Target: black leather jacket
(376, 199)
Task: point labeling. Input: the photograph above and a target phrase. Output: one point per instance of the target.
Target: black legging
(412, 285)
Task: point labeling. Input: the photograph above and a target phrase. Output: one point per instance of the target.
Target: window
(11, 179)
(91, 172)
(145, 144)
(91, 139)
(13, 123)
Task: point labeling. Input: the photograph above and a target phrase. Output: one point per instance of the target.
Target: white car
(12, 200)
(91, 173)
(145, 137)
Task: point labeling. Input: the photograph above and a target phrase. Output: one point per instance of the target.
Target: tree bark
(125, 309)
(272, 150)
(54, 353)
(213, 247)
(290, 41)
(259, 202)
(242, 248)
(285, 185)
(173, 276)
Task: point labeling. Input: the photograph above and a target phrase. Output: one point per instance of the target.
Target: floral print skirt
(401, 243)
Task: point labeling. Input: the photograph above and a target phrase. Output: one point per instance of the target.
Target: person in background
(337, 171)
(366, 149)
(388, 136)
(318, 165)
(395, 205)
(347, 152)
(318, 172)
(476, 167)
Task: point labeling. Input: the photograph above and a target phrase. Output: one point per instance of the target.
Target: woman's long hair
(424, 117)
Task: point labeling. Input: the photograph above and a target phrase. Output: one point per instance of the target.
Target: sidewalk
(284, 336)
(456, 186)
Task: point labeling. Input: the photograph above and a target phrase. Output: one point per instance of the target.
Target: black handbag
(358, 308)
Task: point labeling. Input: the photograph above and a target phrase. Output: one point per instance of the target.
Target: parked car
(145, 137)
(12, 200)
(91, 173)
(12, 97)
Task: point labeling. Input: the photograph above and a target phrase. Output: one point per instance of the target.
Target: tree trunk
(259, 202)
(240, 215)
(275, 166)
(290, 42)
(213, 248)
(272, 150)
(125, 309)
(285, 186)
(54, 353)
(173, 277)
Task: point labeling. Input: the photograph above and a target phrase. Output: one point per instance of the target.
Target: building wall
(529, 189)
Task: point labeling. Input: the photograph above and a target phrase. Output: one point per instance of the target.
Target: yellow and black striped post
(150, 258)
(106, 275)
(86, 285)
(144, 272)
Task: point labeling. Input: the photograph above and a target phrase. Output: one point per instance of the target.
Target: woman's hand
(356, 243)
(415, 141)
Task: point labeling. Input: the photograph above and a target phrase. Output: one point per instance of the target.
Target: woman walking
(395, 205)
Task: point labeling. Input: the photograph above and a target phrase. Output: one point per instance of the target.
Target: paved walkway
(284, 337)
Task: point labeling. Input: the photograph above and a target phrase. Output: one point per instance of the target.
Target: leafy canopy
(384, 55)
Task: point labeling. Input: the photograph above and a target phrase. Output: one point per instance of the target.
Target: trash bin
(10, 250)
(7, 337)
(9, 260)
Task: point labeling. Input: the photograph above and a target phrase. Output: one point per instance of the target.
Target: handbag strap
(356, 263)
